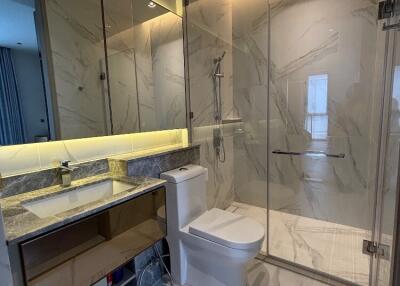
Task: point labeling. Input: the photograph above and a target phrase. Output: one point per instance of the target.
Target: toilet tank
(186, 195)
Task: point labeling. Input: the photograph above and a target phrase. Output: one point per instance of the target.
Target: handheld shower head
(220, 58)
(216, 70)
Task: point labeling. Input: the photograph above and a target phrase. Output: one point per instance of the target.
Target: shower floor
(325, 246)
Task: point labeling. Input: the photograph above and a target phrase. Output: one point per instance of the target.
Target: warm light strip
(19, 159)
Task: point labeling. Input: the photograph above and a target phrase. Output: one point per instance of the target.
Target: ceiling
(17, 24)
(123, 14)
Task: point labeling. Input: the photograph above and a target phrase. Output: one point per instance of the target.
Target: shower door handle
(309, 153)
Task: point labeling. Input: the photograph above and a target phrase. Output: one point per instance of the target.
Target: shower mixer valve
(217, 139)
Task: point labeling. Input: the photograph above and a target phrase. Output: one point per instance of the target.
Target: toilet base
(198, 262)
(210, 275)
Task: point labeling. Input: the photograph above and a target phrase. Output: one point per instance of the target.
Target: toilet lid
(228, 229)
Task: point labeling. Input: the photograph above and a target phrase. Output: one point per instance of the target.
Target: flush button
(183, 169)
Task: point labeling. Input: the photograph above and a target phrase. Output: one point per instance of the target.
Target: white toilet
(207, 247)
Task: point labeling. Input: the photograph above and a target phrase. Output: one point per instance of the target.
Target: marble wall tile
(144, 73)
(168, 71)
(150, 54)
(160, 68)
(153, 166)
(240, 29)
(78, 150)
(52, 153)
(123, 92)
(14, 185)
(340, 39)
(97, 148)
(77, 52)
(220, 185)
(17, 184)
(148, 140)
(341, 44)
(250, 30)
(250, 90)
(209, 36)
(143, 164)
(20, 159)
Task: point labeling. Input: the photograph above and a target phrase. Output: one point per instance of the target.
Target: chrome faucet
(65, 171)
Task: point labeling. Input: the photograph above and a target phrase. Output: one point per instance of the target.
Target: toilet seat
(228, 229)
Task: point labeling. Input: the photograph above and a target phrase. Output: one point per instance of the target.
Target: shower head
(217, 66)
(219, 59)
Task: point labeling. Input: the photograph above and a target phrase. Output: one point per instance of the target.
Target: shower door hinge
(376, 249)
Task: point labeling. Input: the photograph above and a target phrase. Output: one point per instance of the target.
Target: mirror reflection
(23, 111)
(146, 66)
(67, 72)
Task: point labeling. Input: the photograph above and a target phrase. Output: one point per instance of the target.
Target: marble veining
(328, 247)
(20, 224)
(260, 273)
(267, 88)
(209, 35)
(318, 187)
(215, 27)
(76, 39)
(123, 92)
(146, 66)
(153, 165)
(137, 168)
(18, 184)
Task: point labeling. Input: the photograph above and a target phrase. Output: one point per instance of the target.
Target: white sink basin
(81, 196)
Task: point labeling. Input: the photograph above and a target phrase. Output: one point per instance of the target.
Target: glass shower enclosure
(308, 123)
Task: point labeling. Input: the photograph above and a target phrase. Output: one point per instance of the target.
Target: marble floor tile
(325, 246)
(256, 213)
(260, 273)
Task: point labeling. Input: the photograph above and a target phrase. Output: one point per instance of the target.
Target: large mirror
(74, 69)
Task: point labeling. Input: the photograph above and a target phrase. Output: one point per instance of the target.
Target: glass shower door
(326, 72)
(388, 206)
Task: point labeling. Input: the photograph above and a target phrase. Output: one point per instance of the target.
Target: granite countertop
(21, 224)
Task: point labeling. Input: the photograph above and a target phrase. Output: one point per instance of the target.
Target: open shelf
(129, 276)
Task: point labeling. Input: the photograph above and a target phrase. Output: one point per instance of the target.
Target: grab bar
(309, 153)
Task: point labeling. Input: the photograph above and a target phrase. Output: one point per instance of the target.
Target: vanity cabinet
(85, 251)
